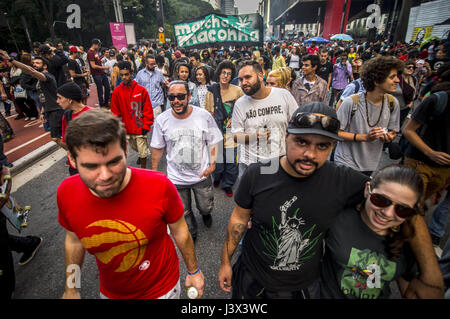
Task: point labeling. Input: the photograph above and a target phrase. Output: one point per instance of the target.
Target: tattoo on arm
(234, 237)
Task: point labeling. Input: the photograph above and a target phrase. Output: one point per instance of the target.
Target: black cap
(96, 41)
(70, 90)
(318, 108)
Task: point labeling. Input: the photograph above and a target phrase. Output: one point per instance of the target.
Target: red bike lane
(30, 135)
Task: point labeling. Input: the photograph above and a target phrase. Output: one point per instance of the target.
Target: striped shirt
(151, 81)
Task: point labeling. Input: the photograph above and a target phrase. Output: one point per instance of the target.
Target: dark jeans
(245, 286)
(226, 167)
(403, 114)
(28, 106)
(335, 95)
(101, 81)
(7, 275)
(204, 200)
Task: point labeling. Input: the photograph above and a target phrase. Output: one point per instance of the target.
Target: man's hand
(439, 157)
(225, 274)
(4, 97)
(197, 281)
(208, 171)
(4, 55)
(375, 133)
(144, 131)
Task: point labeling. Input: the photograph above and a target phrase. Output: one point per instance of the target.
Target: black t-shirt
(324, 70)
(290, 217)
(356, 264)
(47, 93)
(73, 65)
(436, 64)
(437, 134)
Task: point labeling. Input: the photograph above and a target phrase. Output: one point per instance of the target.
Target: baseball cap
(74, 48)
(329, 124)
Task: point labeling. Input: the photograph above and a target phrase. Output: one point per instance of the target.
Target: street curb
(31, 158)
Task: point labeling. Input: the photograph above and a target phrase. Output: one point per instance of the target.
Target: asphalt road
(44, 277)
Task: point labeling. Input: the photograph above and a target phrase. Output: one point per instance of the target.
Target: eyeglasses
(384, 202)
(307, 120)
(180, 97)
(227, 74)
(410, 67)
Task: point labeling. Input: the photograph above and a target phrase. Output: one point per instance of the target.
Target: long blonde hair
(283, 76)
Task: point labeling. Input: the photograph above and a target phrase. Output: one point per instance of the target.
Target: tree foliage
(46, 19)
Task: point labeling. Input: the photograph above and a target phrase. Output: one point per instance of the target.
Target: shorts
(139, 143)
(54, 119)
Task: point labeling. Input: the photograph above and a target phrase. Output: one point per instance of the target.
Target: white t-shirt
(295, 61)
(186, 142)
(274, 112)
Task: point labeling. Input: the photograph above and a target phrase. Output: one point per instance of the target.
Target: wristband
(354, 137)
(194, 273)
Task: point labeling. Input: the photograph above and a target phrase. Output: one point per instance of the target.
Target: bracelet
(354, 137)
(194, 273)
(430, 286)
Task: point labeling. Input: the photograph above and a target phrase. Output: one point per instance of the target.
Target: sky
(246, 6)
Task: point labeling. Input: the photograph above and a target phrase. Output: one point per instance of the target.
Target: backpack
(398, 150)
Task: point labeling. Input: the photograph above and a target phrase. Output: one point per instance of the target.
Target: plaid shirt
(318, 92)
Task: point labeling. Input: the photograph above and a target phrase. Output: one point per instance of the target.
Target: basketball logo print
(122, 240)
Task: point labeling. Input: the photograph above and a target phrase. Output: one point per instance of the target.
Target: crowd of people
(294, 132)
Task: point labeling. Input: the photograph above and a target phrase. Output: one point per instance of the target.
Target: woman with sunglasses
(365, 247)
(406, 90)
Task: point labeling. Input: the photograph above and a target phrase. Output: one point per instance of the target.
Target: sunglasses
(180, 97)
(308, 120)
(410, 67)
(383, 202)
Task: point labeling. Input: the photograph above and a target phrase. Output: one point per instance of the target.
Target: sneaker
(138, 162)
(27, 256)
(207, 220)
(18, 117)
(33, 118)
(8, 164)
(216, 183)
(27, 118)
(228, 191)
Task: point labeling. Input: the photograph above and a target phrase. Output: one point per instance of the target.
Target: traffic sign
(162, 38)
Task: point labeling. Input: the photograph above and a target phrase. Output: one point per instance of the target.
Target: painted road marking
(25, 144)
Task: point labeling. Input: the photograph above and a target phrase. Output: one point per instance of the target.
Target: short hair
(195, 55)
(324, 50)
(149, 56)
(96, 41)
(226, 65)
(179, 65)
(125, 65)
(176, 82)
(160, 59)
(97, 129)
(376, 70)
(315, 60)
(205, 72)
(44, 60)
(255, 65)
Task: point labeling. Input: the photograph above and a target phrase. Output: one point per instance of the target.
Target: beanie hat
(177, 54)
(70, 90)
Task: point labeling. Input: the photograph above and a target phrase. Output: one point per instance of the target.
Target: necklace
(367, 112)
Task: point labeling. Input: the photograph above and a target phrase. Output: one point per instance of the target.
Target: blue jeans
(101, 80)
(440, 217)
(226, 167)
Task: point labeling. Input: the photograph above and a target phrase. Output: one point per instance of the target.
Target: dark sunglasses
(308, 120)
(180, 97)
(383, 202)
(410, 67)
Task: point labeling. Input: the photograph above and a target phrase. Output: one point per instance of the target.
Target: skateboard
(15, 214)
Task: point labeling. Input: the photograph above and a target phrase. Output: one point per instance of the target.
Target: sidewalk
(31, 142)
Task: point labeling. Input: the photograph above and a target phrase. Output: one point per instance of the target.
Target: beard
(183, 111)
(294, 163)
(253, 88)
(117, 181)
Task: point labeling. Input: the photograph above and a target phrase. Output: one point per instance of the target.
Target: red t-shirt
(312, 50)
(64, 126)
(93, 56)
(127, 233)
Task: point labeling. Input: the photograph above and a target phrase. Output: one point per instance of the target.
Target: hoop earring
(395, 229)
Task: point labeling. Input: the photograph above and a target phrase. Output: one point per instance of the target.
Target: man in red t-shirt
(69, 97)
(131, 102)
(98, 73)
(313, 49)
(120, 215)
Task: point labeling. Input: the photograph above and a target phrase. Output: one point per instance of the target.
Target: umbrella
(341, 36)
(428, 40)
(317, 40)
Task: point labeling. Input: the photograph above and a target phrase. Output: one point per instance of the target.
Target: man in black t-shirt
(291, 202)
(78, 76)
(325, 69)
(47, 91)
